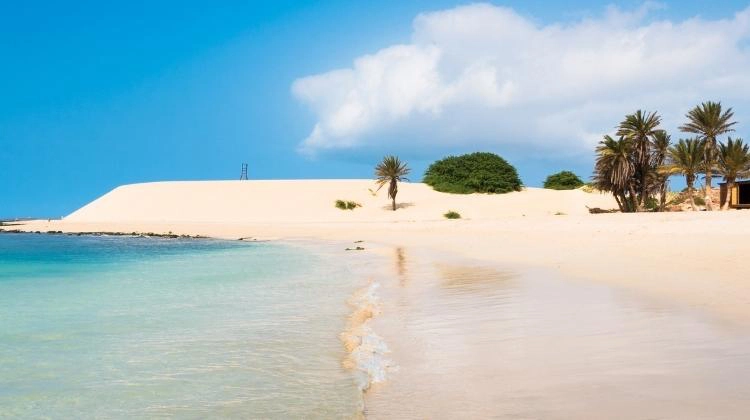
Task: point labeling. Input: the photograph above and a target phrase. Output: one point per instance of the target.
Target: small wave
(366, 350)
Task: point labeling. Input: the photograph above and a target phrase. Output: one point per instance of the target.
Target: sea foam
(366, 351)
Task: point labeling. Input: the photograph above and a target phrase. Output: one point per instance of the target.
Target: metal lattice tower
(243, 175)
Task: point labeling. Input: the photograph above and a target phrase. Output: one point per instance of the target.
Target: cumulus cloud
(481, 75)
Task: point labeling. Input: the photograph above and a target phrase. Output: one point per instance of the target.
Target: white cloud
(481, 75)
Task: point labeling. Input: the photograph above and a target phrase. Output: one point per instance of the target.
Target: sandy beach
(691, 257)
(448, 286)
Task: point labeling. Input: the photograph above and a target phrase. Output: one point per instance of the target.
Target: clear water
(116, 327)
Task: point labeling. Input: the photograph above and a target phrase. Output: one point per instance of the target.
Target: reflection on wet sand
(468, 279)
(477, 342)
(401, 266)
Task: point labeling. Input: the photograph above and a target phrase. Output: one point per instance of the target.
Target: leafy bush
(564, 180)
(652, 203)
(347, 205)
(475, 172)
(699, 201)
(452, 215)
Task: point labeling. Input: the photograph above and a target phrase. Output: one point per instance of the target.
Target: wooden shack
(740, 195)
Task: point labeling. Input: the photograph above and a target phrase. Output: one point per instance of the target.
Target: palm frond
(734, 159)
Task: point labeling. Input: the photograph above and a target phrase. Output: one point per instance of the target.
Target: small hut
(740, 195)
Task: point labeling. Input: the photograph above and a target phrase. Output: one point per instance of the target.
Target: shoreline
(663, 255)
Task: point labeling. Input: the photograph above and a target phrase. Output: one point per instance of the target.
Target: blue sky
(98, 94)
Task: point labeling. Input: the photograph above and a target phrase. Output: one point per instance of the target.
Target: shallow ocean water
(119, 327)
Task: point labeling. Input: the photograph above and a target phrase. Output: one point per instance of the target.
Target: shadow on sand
(398, 206)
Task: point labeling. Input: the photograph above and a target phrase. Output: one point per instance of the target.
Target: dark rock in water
(359, 248)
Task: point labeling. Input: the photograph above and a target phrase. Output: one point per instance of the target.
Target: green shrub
(347, 205)
(452, 215)
(652, 203)
(475, 172)
(699, 201)
(564, 180)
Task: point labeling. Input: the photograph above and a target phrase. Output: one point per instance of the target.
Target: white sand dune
(313, 201)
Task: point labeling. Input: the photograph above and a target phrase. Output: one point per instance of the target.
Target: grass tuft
(347, 205)
(452, 215)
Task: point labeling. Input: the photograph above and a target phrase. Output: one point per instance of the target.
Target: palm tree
(614, 171)
(660, 182)
(391, 170)
(640, 128)
(686, 158)
(734, 162)
(708, 121)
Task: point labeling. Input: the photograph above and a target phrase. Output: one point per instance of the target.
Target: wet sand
(475, 341)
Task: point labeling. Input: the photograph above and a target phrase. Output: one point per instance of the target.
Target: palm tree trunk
(643, 201)
(730, 188)
(663, 199)
(626, 204)
(393, 190)
(709, 172)
(634, 207)
(619, 203)
(707, 198)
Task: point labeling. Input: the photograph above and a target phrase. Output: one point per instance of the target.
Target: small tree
(479, 172)
(390, 171)
(565, 180)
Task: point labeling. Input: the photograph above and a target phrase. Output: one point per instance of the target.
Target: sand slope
(313, 201)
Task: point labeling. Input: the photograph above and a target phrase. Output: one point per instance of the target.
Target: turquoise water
(117, 327)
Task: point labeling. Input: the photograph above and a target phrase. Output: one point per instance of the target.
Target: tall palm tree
(686, 158)
(391, 170)
(734, 162)
(660, 182)
(708, 121)
(640, 128)
(614, 171)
